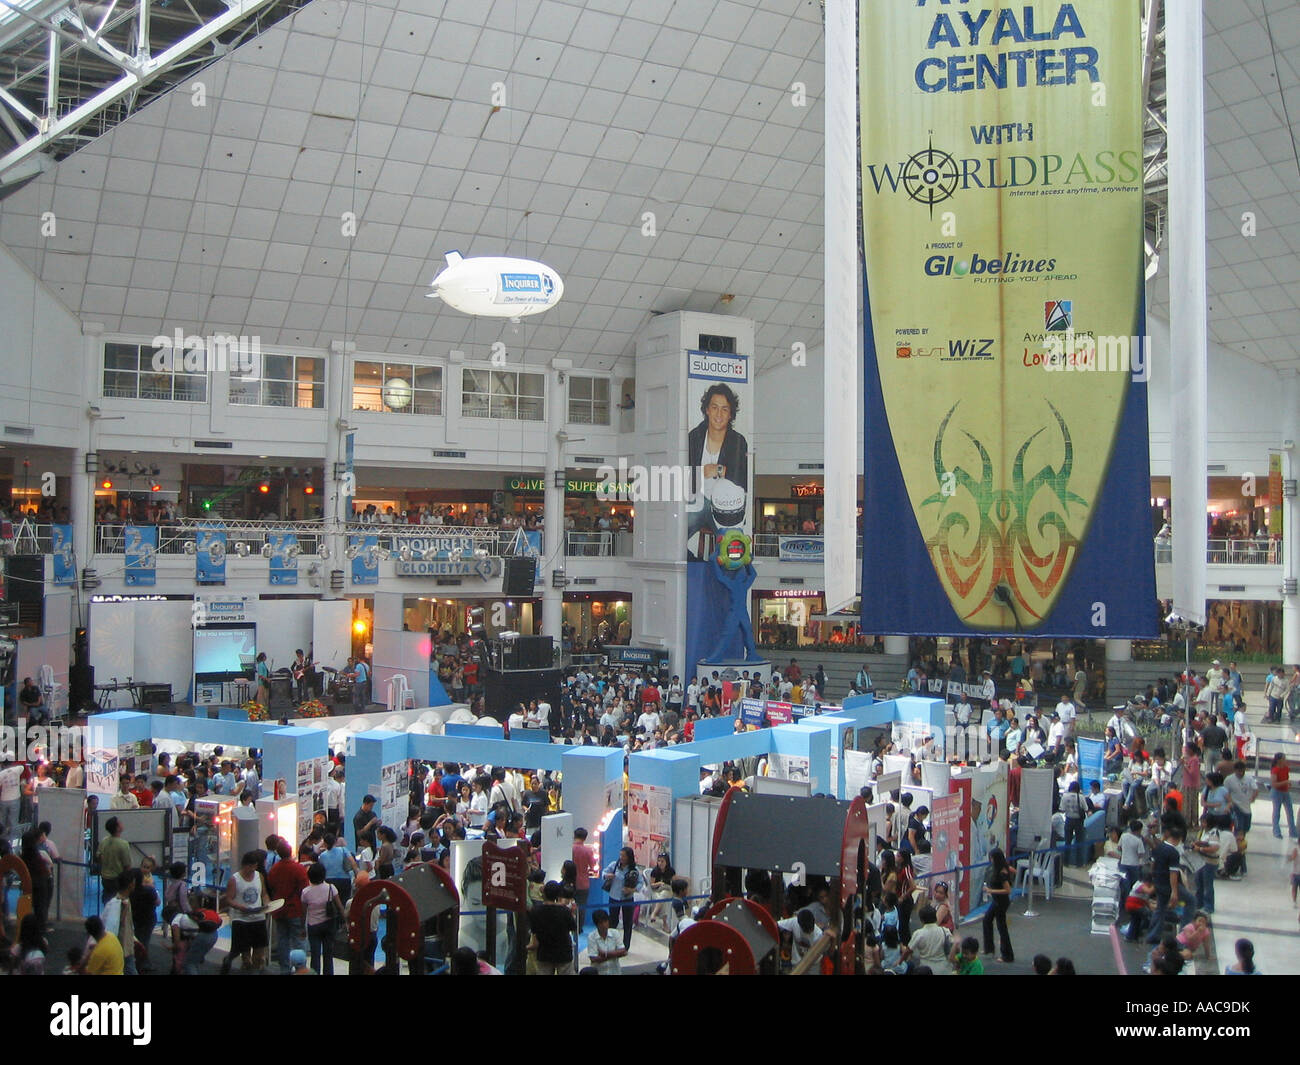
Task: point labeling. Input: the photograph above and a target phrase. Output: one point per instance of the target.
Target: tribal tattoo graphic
(1010, 546)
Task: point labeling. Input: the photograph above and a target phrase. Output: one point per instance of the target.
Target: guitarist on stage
(301, 668)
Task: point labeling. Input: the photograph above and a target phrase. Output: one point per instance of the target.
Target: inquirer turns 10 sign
(1007, 472)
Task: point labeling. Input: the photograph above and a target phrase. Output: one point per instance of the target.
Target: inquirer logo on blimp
(495, 287)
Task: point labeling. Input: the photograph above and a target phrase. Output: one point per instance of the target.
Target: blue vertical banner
(141, 556)
(349, 476)
(284, 557)
(533, 538)
(1090, 761)
(65, 565)
(365, 566)
(210, 554)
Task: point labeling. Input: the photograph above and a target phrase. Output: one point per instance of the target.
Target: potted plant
(313, 708)
(255, 710)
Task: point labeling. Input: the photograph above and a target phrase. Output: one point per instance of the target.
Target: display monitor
(224, 651)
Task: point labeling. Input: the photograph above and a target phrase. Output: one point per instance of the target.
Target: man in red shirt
(794, 674)
(650, 692)
(285, 881)
(141, 790)
(585, 859)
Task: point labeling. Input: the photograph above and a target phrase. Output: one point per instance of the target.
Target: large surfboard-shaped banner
(1007, 476)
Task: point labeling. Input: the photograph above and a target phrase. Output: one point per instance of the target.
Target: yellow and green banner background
(1006, 468)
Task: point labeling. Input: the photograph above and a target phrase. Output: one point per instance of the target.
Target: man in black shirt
(1165, 859)
(552, 924)
(1213, 738)
(365, 819)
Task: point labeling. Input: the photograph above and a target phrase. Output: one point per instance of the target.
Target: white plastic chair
(1044, 871)
(52, 691)
(400, 695)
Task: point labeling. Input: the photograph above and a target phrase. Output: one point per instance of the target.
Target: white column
(840, 344)
(81, 497)
(1119, 650)
(1290, 529)
(553, 553)
(338, 394)
(896, 645)
(1189, 380)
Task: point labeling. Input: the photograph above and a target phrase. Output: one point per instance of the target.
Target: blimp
(497, 287)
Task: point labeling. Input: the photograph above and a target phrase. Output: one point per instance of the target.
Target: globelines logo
(1010, 263)
(1058, 316)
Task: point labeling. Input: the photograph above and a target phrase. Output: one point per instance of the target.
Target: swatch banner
(284, 557)
(210, 554)
(61, 547)
(141, 551)
(365, 566)
(1007, 474)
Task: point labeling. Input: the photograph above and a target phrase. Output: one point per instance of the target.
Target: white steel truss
(70, 70)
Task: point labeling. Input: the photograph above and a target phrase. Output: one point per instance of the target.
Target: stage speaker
(81, 647)
(520, 576)
(502, 690)
(81, 688)
(25, 578)
(534, 652)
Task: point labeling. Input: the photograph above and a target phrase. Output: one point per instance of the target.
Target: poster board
(649, 821)
(795, 767)
(310, 793)
(857, 772)
(1035, 807)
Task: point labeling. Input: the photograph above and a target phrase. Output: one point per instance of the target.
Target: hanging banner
(365, 566)
(210, 554)
(1007, 475)
(800, 548)
(1091, 756)
(141, 553)
(61, 547)
(1275, 495)
(284, 557)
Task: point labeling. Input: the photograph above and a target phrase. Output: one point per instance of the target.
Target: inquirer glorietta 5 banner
(1007, 472)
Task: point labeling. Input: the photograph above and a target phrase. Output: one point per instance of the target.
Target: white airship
(497, 287)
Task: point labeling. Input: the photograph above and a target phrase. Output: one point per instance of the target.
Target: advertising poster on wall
(310, 792)
(945, 835)
(789, 767)
(857, 772)
(1007, 472)
(102, 772)
(392, 795)
(649, 821)
(718, 485)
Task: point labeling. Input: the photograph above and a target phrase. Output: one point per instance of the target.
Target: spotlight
(191, 548)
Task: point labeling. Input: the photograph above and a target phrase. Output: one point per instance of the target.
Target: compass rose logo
(930, 176)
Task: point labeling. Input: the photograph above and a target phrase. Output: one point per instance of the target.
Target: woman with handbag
(324, 911)
(622, 879)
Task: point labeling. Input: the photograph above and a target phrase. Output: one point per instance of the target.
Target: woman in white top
(478, 805)
(247, 897)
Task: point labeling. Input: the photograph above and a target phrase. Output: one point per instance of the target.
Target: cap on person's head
(368, 799)
(297, 957)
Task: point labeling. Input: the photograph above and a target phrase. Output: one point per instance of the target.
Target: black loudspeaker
(81, 648)
(502, 690)
(534, 652)
(520, 576)
(25, 578)
(155, 694)
(81, 688)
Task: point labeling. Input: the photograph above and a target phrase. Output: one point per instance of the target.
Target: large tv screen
(224, 652)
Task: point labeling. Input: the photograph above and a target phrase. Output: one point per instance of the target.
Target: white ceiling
(228, 217)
